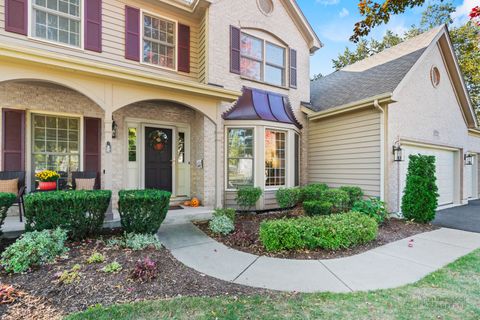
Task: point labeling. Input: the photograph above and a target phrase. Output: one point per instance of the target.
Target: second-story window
(262, 60)
(57, 21)
(159, 41)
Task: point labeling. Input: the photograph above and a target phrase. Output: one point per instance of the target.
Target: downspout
(377, 106)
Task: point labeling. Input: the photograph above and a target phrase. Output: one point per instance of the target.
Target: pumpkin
(195, 202)
(187, 203)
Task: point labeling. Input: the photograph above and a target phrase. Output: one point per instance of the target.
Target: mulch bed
(245, 237)
(43, 295)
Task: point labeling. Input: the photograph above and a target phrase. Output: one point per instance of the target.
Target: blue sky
(333, 20)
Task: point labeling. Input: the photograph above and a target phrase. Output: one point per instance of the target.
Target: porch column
(107, 164)
(219, 158)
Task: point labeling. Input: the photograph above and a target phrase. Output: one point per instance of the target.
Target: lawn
(450, 293)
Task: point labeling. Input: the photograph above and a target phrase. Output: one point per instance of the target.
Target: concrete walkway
(389, 266)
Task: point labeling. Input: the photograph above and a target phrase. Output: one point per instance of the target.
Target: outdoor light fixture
(108, 147)
(398, 152)
(468, 159)
(114, 129)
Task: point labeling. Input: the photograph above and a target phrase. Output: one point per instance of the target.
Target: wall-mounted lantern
(398, 152)
(468, 159)
(114, 129)
(108, 147)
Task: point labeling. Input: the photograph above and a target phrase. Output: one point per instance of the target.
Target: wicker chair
(20, 175)
(85, 175)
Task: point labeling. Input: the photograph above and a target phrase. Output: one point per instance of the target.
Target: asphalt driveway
(465, 218)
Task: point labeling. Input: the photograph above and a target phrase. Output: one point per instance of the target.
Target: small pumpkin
(195, 202)
(187, 203)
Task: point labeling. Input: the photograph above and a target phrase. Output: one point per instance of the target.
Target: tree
(316, 76)
(437, 14)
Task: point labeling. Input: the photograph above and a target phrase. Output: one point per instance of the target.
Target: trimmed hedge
(313, 191)
(6, 201)
(314, 208)
(287, 197)
(143, 211)
(354, 194)
(331, 232)
(247, 197)
(338, 198)
(80, 213)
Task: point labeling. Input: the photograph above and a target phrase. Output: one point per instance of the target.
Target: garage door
(469, 182)
(445, 171)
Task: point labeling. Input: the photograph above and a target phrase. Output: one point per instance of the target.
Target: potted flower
(48, 179)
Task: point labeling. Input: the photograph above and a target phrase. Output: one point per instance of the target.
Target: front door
(158, 158)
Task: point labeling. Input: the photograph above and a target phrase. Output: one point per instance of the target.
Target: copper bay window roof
(255, 104)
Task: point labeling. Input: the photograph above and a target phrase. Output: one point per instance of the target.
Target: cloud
(460, 16)
(328, 2)
(343, 13)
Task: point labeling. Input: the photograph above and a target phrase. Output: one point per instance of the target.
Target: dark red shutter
(183, 48)
(13, 142)
(93, 25)
(293, 68)
(132, 33)
(92, 145)
(16, 16)
(234, 50)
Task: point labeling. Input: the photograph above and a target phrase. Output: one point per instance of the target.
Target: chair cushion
(84, 184)
(10, 186)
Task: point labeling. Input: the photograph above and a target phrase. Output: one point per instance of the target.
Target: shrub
(145, 270)
(222, 225)
(287, 197)
(312, 191)
(143, 211)
(354, 194)
(316, 207)
(373, 208)
(247, 197)
(33, 249)
(70, 276)
(331, 232)
(112, 267)
(136, 241)
(227, 212)
(6, 201)
(338, 198)
(420, 199)
(81, 212)
(96, 257)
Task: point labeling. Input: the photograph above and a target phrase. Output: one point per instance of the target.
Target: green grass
(450, 293)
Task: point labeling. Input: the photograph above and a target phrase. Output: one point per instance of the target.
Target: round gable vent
(435, 76)
(266, 6)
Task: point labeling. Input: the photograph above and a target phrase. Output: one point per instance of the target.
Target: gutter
(474, 132)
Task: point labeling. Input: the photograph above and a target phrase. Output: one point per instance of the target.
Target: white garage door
(445, 171)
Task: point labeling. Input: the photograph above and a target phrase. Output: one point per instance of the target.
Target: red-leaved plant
(145, 270)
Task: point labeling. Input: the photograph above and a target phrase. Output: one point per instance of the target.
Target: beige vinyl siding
(270, 202)
(202, 47)
(230, 199)
(113, 38)
(345, 150)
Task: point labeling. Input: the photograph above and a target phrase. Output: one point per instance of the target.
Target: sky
(333, 21)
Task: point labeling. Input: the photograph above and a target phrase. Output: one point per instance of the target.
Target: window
(132, 144)
(56, 143)
(57, 21)
(254, 64)
(265, 6)
(181, 147)
(239, 157)
(435, 76)
(274, 158)
(159, 41)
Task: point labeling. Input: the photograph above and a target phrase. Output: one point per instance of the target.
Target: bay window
(159, 41)
(57, 21)
(275, 155)
(240, 157)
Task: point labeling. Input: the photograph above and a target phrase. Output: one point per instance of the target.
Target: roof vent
(265, 6)
(435, 76)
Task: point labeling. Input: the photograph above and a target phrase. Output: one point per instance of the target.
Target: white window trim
(255, 137)
(287, 162)
(155, 15)
(30, 27)
(264, 62)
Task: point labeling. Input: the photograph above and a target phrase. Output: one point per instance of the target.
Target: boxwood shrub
(313, 191)
(337, 231)
(354, 194)
(287, 197)
(338, 198)
(80, 213)
(6, 201)
(317, 207)
(247, 197)
(143, 211)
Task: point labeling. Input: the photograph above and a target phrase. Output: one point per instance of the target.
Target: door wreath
(158, 139)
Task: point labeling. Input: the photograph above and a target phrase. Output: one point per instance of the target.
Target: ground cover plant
(135, 241)
(221, 224)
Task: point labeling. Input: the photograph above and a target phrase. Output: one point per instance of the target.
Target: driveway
(465, 218)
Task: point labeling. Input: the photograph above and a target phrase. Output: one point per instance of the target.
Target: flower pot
(158, 146)
(47, 185)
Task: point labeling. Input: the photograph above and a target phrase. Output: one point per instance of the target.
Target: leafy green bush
(96, 257)
(136, 241)
(287, 197)
(331, 232)
(6, 201)
(312, 191)
(247, 197)
(338, 198)
(317, 207)
(222, 225)
(227, 212)
(80, 212)
(143, 211)
(112, 267)
(373, 208)
(34, 248)
(354, 194)
(420, 198)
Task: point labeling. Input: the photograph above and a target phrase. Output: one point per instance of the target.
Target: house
(196, 97)
(408, 99)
